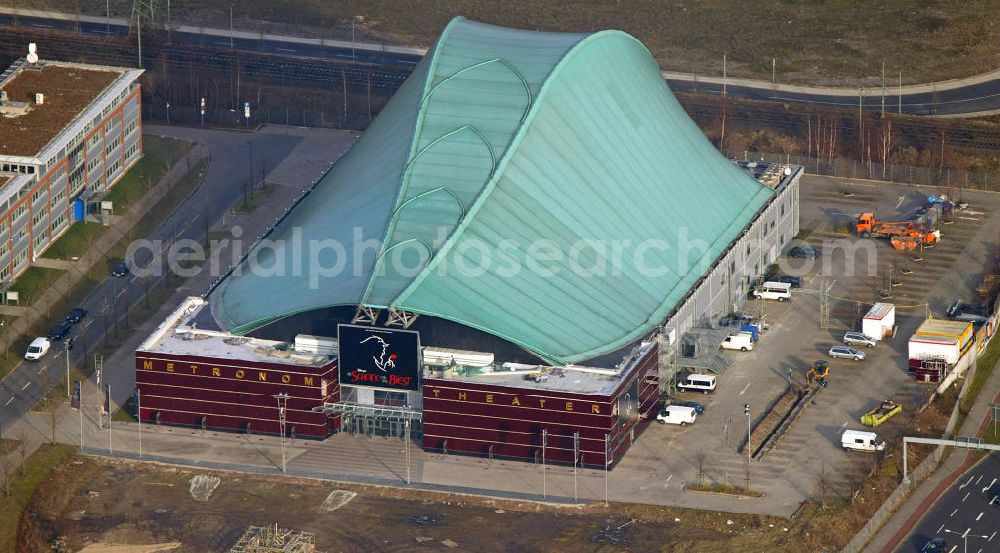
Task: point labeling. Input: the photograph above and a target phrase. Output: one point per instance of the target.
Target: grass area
(34, 282)
(257, 197)
(985, 366)
(727, 489)
(36, 468)
(75, 242)
(810, 41)
(158, 155)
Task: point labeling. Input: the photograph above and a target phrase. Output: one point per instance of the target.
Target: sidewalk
(922, 498)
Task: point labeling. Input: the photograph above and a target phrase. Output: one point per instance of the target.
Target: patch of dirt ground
(88, 504)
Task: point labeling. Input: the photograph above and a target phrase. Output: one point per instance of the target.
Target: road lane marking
(990, 485)
(953, 548)
(8, 401)
(843, 426)
(966, 496)
(121, 293)
(978, 479)
(979, 517)
(939, 529)
(900, 202)
(953, 513)
(992, 536)
(745, 388)
(962, 487)
(26, 384)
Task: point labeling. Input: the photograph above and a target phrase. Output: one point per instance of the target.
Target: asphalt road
(971, 505)
(223, 185)
(965, 99)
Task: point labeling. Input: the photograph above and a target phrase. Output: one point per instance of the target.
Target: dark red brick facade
(471, 417)
(229, 395)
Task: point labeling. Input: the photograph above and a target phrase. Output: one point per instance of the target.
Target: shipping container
(879, 321)
(961, 330)
(934, 347)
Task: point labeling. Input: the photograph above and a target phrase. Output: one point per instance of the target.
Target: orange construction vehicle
(868, 227)
(913, 238)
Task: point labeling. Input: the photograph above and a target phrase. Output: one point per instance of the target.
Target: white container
(320, 345)
(934, 347)
(879, 321)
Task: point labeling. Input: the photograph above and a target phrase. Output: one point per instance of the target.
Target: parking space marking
(8, 401)
(121, 293)
(979, 517)
(992, 536)
(26, 384)
(745, 388)
(900, 202)
(990, 485)
(966, 496)
(953, 513)
(962, 487)
(978, 479)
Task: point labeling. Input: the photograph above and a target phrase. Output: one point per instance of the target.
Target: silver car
(858, 339)
(846, 353)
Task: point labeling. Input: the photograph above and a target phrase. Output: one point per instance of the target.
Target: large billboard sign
(379, 357)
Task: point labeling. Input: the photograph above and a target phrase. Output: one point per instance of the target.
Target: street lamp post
(282, 404)
(746, 411)
(545, 439)
(774, 66)
(965, 537)
(66, 345)
(353, 19)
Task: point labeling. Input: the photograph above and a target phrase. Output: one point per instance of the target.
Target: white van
(703, 383)
(37, 349)
(676, 414)
(742, 341)
(780, 291)
(861, 441)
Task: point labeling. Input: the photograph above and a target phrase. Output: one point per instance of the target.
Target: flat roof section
(569, 378)
(67, 92)
(179, 334)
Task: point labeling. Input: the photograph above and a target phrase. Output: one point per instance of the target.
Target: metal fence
(892, 172)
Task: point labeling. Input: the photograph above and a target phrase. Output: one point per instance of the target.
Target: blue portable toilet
(78, 210)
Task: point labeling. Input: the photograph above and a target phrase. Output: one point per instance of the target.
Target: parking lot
(808, 458)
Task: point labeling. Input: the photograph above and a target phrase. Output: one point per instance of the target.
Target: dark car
(59, 331)
(76, 315)
(120, 270)
(795, 281)
(804, 251)
(698, 407)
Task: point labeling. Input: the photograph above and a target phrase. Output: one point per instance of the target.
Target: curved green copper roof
(502, 149)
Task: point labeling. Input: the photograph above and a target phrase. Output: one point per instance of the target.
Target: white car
(37, 349)
(858, 339)
(846, 353)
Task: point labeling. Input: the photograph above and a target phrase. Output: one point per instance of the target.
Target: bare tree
(20, 446)
(885, 143)
(699, 459)
(824, 484)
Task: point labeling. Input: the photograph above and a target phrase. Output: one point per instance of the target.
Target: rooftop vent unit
(32, 53)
